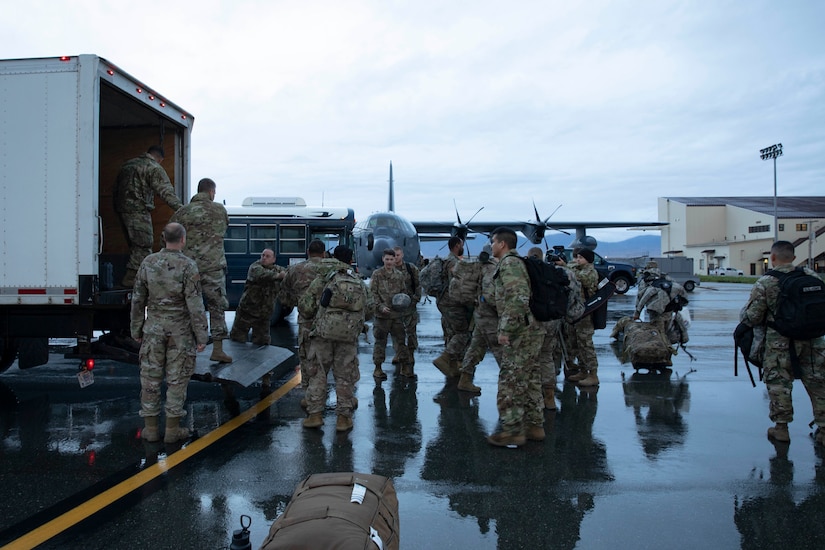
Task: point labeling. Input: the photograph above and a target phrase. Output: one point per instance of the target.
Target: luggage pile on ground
(338, 510)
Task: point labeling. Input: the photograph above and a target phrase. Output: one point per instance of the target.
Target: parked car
(727, 271)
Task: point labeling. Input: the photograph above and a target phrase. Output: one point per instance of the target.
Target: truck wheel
(8, 351)
(689, 286)
(622, 284)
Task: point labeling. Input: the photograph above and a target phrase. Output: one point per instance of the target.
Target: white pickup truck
(727, 271)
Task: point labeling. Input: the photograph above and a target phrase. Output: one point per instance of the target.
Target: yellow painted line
(92, 506)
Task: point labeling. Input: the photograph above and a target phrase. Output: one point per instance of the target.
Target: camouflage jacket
(167, 297)
(384, 284)
(588, 277)
(512, 291)
(205, 221)
(412, 280)
(299, 276)
(261, 289)
(138, 181)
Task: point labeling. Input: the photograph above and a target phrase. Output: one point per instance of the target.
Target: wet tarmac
(664, 460)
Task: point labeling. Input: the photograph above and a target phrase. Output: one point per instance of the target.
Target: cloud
(600, 106)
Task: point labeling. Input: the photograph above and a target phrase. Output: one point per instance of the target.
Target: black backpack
(743, 341)
(549, 287)
(676, 302)
(800, 309)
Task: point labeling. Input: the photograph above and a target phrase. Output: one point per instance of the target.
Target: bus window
(293, 239)
(261, 236)
(235, 240)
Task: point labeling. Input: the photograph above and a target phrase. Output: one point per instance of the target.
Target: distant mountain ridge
(640, 246)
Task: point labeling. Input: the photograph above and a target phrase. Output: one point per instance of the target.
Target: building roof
(786, 207)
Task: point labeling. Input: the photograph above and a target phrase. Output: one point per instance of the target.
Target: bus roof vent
(274, 201)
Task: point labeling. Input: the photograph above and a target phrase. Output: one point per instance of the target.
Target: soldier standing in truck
(138, 181)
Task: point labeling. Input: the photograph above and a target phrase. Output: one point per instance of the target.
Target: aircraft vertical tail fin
(391, 205)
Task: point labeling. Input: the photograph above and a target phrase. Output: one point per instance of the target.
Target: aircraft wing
(532, 230)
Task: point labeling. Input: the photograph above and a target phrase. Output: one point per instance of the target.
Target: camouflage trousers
(245, 321)
(174, 355)
(455, 322)
(304, 327)
(583, 345)
(484, 337)
(381, 329)
(213, 284)
(519, 400)
(342, 359)
(778, 376)
(138, 228)
(550, 356)
(410, 322)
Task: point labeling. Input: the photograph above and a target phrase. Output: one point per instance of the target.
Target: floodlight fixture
(773, 152)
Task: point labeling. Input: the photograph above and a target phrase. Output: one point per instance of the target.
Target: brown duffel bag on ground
(324, 513)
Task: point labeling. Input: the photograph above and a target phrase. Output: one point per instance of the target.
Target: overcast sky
(599, 106)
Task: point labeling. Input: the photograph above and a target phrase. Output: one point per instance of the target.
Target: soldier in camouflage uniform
(485, 324)
(138, 181)
(298, 278)
(385, 283)
(169, 322)
(206, 221)
(455, 318)
(409, 318)
(583, 330)
(263, 282)
(326, 355)
(777, 371)
(519, 398)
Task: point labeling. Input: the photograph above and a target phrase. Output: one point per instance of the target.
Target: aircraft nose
(381, 244)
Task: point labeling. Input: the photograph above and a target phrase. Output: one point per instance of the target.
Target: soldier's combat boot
(501, 439)
(577, 376)
(343, 424)
(174, 431)
(150, 431)
(534, 433)
(129, 278)
(315, 420)
(779, 432)
(445, 364)
(549, 398)
(218, 354)
(407, 371)
(465, 383)
(591, 380)
(379, 374)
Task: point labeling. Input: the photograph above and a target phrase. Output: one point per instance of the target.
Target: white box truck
(67, 124)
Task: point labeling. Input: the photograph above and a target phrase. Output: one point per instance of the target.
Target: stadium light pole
(771, 153)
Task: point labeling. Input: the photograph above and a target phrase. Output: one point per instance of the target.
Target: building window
(759, 228)
(701, 263)
(802, 227)
(782, 227)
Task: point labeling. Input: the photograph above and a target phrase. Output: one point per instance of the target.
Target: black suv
(621, 275)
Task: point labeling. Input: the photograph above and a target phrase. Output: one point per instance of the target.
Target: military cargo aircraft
(382, 230)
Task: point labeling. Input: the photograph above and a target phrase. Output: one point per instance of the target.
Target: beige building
(738, 232)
